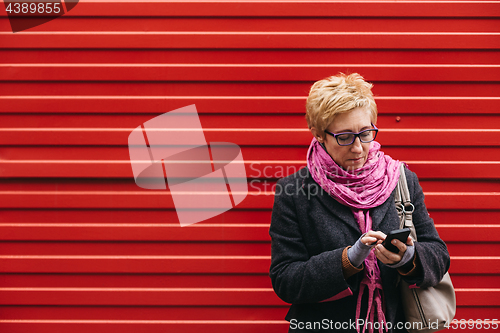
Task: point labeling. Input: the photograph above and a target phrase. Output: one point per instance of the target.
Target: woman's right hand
(361, 249)
(373, 238)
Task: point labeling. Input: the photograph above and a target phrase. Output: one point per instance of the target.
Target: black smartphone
(401, 234)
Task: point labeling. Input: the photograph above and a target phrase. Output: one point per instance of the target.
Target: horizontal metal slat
(187, 264)
(251, 40)
(182, 314)
(189, 326)
(47, 215)
(255, 186)
(117, 199)
(235, 120)
(136, 264)
(186, 296)
(464, 200)
(134, 232)
(474, 265)
(475, 217)
(141, 326)
(244, 72)
(244, 104)
(285, 9)
(119, 136)
(254, 169)
(249, 136)
(157, 104)
(140, 296)
(286, 24)
(459, 281)
(121, 216)
(163, 200)
(240, 121)
(469, 233)
(20, 280)
(477, 296)
(455, 169)
(170, 248)
(188, 248)
(250, 153)
(291, 56)
(218, 88)
(440, 153)
(167, 314)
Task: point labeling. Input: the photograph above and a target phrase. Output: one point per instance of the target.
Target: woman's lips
(355, 160)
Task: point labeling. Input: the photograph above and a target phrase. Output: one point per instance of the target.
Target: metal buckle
(409, 205)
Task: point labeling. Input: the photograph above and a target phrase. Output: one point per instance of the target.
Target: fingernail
(394, 242)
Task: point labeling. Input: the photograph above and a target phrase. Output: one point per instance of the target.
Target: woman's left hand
(391, 258)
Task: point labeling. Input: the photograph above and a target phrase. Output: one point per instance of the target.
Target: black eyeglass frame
(356, 135)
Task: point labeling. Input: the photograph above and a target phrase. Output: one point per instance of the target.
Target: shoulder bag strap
(403, 203)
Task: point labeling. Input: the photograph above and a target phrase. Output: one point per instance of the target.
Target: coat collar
(341, 211)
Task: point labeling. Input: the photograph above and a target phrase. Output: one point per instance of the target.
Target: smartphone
(401, 234)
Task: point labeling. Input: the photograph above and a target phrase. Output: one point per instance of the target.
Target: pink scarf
(360, 189)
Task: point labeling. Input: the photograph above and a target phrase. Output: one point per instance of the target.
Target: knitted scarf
(360, 189)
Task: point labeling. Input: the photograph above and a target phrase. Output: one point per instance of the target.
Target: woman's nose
(356, 146)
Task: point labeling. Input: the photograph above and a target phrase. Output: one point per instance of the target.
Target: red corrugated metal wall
(83, 249)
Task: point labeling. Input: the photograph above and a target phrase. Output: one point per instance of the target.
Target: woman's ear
(315, 133)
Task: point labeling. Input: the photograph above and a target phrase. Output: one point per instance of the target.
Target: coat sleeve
(298, 277)
(432, 253)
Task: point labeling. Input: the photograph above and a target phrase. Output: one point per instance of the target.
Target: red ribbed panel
(84, 249)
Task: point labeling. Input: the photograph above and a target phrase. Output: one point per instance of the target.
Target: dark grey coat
(309, 231)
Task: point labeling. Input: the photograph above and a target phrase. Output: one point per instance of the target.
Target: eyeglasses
(347, 138)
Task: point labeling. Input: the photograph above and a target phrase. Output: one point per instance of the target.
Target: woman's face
(354, 156)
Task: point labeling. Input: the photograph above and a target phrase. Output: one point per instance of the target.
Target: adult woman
(330, 219)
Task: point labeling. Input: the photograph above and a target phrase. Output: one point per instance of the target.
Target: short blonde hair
(336, 95)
